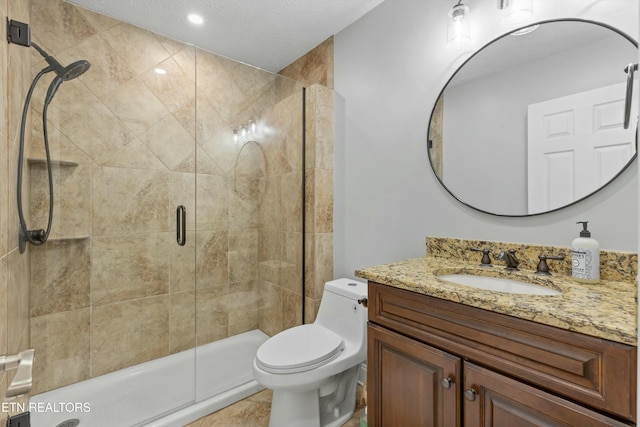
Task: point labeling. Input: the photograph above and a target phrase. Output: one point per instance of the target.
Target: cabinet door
(491, 399)
(410, 383)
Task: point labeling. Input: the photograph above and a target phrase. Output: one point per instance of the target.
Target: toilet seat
(299, 349)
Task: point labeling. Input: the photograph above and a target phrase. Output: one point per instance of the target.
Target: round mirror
(533, 122)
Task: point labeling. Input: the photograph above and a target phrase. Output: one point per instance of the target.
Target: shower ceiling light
(195, 19)
(459, 25)
(515, 11)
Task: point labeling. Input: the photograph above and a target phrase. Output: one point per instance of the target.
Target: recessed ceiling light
(195, 19)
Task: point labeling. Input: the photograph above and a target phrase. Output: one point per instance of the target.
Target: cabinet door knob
(470, 394)
(446, 382)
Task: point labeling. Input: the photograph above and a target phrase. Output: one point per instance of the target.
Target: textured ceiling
(269, 34)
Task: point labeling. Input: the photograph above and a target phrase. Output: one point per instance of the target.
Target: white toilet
(313, 369)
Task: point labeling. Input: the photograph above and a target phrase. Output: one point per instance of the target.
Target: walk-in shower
(148, 129)
(38, 237)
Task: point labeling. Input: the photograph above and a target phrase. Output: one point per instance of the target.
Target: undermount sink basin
(498, 284)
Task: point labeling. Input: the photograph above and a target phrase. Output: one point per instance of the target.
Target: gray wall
(486, 119)
(389, 69)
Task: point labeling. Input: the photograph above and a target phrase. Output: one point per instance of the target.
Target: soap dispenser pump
(585, 257)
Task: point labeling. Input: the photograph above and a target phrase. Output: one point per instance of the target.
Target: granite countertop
(606, 310)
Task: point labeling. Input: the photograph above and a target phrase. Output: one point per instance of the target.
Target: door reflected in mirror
(532, 123)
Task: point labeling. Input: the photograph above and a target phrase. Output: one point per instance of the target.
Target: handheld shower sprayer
(38, 237)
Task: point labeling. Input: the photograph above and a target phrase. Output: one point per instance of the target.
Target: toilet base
(309, 409)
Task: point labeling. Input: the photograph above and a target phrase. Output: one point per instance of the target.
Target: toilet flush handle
(363, 301)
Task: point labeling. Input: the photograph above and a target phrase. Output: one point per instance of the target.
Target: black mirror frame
(623, 34)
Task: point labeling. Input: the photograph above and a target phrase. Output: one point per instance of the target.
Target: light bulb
(516, 11)
(458, 25)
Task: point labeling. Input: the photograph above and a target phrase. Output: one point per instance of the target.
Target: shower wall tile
(60, 147)
(291, 271)
(212, 263)
(60, 277)
(291, 309)
(174, 46)
(324, 118)
(4, 307)
(211, 202)
(243, 305)
(169, 141)
(136, 106)
(75, 99)
(271, 207)
(183, 265)
(108, 70)
(204, 164)
(174, 88)
(4, 194)
(212, 318)
(315, 67)
(202, 118)
(60, 25)
(270, 308)
(183, 192)
(122, 36)
(61, 342)
(182, 321)
(135, 155)
(97, 21)
(129, 200)
(18, 78)
(271, 244)
(243, 255)
(17, 302)
(309, 202)
(323, 262)
(309, 265)
(323, 218)
(245, 195)
(291, 201)
(71, 207)
(101, 136)
(129, 333)
(139, 261)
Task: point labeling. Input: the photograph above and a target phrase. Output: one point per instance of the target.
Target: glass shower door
(113, 287)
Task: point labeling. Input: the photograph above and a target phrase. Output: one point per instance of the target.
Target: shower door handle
(181, 225)
(629, 69)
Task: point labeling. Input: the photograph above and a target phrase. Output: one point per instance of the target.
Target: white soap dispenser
(585, 257)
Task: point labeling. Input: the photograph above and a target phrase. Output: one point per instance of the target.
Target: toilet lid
(299, 349)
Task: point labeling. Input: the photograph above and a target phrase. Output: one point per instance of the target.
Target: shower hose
(35, 237)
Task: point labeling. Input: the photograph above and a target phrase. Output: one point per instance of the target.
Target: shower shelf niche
(66, 238)
(65, 163)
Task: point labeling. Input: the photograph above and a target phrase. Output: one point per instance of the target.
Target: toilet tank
(340, 311)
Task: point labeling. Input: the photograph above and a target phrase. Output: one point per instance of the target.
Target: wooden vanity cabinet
(433, 362)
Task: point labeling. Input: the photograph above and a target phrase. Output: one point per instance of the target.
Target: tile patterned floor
(254, 412)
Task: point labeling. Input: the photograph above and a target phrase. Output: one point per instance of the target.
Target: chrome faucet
(509, 258)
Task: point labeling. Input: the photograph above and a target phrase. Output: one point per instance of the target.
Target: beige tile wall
(315, 69)
(14, 268)
(112, 288)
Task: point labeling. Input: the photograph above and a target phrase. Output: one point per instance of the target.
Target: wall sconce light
(459, 25)
(515, 11)
(245, 131)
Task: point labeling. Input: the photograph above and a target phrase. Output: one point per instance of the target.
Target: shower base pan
(168, 392)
